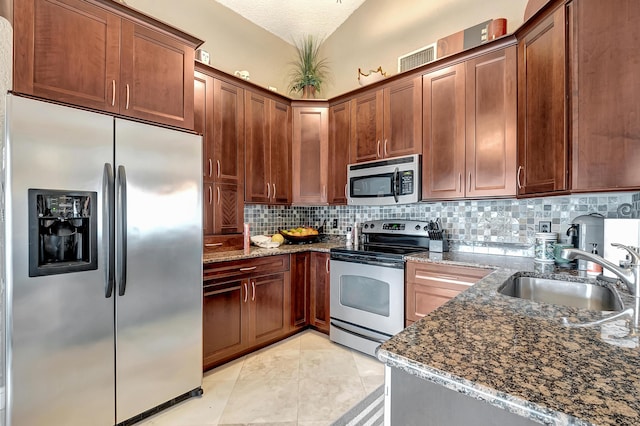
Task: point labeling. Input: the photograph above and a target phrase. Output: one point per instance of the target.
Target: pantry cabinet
(310, 155)
(246, 305)
(543, 147)
(429, 286)
(387, 122)
(104, 56)
(470, 128)
(267, 149)
(339, 139)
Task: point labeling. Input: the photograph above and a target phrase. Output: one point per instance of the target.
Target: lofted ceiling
(292, 19)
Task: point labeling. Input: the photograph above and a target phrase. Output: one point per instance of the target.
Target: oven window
(365, 294)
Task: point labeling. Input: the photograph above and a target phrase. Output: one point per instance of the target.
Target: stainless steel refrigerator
(102, 265)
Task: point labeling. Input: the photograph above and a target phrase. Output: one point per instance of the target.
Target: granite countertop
(261, 252)
(518, 355)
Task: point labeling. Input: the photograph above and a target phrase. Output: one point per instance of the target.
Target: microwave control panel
(406, 182)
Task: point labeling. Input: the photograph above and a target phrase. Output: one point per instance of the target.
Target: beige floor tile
(277, 364)
(315, 340)
(262, 401)
(327, 398)
(372, 383)
(200, 411)
(367, 365)
(228, 371)
(326, 423)
(327, 362)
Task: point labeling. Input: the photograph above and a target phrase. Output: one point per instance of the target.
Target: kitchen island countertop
(518, 355)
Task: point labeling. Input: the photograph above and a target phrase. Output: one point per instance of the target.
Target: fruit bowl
(300, 239)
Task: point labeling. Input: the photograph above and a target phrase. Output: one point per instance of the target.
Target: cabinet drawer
(216, 243)
(249, 267)
(445, 276)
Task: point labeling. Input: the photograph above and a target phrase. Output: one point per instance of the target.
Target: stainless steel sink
(558, 292)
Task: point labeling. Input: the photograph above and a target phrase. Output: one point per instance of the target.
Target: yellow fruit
(277, 238)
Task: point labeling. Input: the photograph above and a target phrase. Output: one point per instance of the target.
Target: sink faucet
(629, 276)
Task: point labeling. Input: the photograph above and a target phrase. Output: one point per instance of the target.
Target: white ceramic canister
(544, 246)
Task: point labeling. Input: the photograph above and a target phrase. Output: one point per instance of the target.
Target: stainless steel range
(367, 282)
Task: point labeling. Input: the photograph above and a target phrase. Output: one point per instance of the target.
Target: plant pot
(309, 92)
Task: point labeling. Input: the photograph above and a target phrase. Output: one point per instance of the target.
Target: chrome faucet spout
(629, 276)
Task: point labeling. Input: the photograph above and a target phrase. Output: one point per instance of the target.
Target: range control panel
(398, 227)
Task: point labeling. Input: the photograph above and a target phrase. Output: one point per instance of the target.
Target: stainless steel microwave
(384, 182)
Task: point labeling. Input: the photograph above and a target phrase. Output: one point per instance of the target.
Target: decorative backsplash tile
(497, 226)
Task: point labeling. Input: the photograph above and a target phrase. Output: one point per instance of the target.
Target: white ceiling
(292, 19)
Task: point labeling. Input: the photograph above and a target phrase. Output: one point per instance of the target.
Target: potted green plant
(309, 70)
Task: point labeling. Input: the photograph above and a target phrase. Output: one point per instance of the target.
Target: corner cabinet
(470, 128)
(104, 56)
(219, 117)
(246, 305)
(542, 108)
(387, 122)
(267, 150)
(310, 155)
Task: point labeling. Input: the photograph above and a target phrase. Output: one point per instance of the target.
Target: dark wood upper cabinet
(227, 157)
(542, 113)
(339, 138)
(310, 155)
(491, 124)
(605, 86)
(267, 150)
(387, 122)
(104, 56)
(443, 159)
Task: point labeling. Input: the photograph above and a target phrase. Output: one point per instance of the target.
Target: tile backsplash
(500, 226)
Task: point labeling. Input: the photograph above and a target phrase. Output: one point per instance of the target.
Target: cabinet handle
(385, 148)
(518, 177)
(218, 168)
(345, 191)
(460, 182)
(378, 150)
(210, 196)
(250, 268)
(253, 291)
(210, 168)
(246, 292)
(469, 182)
(218, 189)
(127, 105)
(326, 265)
(274, 190)
(324, 192)
(213, 244)
(113, 93)
(268, 190)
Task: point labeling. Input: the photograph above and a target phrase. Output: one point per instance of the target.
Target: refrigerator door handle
(122, 210)
(108, 228)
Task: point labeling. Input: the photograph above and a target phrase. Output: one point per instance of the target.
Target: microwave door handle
(394, 184)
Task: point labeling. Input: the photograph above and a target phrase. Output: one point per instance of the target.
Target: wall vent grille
(417, 58)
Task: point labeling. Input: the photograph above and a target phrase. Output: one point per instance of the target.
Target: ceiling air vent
(417, 58)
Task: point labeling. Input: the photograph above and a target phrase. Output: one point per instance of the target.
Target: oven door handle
(364, 336)
(395, 184)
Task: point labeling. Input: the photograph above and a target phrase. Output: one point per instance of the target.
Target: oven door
(370, 297)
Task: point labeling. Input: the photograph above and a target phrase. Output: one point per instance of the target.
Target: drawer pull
(213, 244)
(444, 279)
(250, 268)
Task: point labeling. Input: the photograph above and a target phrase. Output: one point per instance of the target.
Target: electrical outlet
(335, 223)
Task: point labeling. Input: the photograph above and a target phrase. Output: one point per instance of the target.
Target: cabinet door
(443, 133)
(309, 155)
(280, 152)
(257, 150)
(403, 118)
(366, 127)
(300, 275)
(68, 51)
(606, 93)
(203, 121)
(339, 138)
(320, 302)
(270, 300)
(229, 208)
(228, 123)
(156, 82)
(542, 141)
(224, 320)
(491, 124)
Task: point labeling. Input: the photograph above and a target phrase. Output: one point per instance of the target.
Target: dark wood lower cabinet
(300, 275)
(320, 292)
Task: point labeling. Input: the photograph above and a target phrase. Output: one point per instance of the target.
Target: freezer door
(59, 351)
(159, 266)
